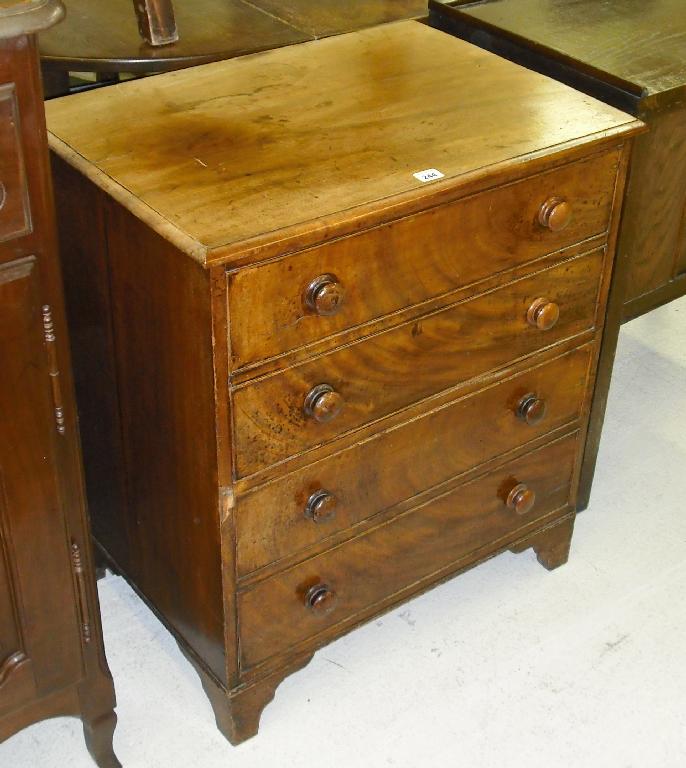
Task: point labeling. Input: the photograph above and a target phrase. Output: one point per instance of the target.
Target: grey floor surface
(507, 665)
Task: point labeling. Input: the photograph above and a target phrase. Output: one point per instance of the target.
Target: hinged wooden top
(294, 146)
(24, 17)
(640, 42)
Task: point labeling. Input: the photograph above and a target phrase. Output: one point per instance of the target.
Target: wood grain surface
(388, 467)
(396, 555)
(384, 373)
(414, 259)
(320, 18)
(222, 154)
(167, 308)
(289, 178)
(632, 40)
(652, 229)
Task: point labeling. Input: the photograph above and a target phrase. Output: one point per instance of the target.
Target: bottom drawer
(335, 586)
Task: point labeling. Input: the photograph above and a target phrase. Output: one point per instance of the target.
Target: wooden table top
(102, 35)
(642, 42)
(283, 146)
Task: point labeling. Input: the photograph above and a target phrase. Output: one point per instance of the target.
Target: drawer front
(311, 504)
(385, 373)
(411, 260)
(273, 615)
(15, 219)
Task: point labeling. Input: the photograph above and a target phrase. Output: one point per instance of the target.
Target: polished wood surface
(337, 167)
(272, 521)
(632, 42)
(320, 18)
(449, 347)
(415, 259)
(274, 616)
(381, 396)
(630, 54)
(102, 35)
(51, 653)
(653, 228)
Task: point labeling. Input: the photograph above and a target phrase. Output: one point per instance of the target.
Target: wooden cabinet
(630, 55)
(51, 655)
(311, 384)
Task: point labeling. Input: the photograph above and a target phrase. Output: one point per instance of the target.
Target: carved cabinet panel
(52, 659)
(36, 579)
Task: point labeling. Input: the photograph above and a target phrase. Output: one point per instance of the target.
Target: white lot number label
(430, 174)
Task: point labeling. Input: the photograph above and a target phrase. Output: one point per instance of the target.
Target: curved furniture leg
(238, 712)
(99, 733)
(550, 545)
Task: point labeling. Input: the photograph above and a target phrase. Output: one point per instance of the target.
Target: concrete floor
(507, 665)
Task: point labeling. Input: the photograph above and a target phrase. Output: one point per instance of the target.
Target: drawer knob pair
(321, 506)
(320, 599)
(555, 214)
(543, 314)
(324, 295)
(521, 499)
(531, 409)
(323, 403)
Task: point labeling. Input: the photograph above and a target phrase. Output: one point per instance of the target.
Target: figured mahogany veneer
(409, 547)
(312, 385)
(52, 660)
(272, 415)
(415, 259)
(272, 521)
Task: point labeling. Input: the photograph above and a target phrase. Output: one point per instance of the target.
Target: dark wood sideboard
(52, 660)
(631, 54)
(312, 383)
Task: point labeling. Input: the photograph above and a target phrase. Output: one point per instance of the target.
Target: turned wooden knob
(324, 295)
(543, 314)
(555, 214)
(321, 506)
(531, 409)
(3, 195)
(321, 599)
(323, 403)
(521, 499)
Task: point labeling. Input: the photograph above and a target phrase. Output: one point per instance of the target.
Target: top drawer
(279, 306)
(14, 203)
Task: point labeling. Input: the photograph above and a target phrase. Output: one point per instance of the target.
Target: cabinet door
(40, 628)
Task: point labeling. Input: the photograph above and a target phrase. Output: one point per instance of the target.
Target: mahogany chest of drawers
(633, 56)
(52, 661)
(335, 321)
